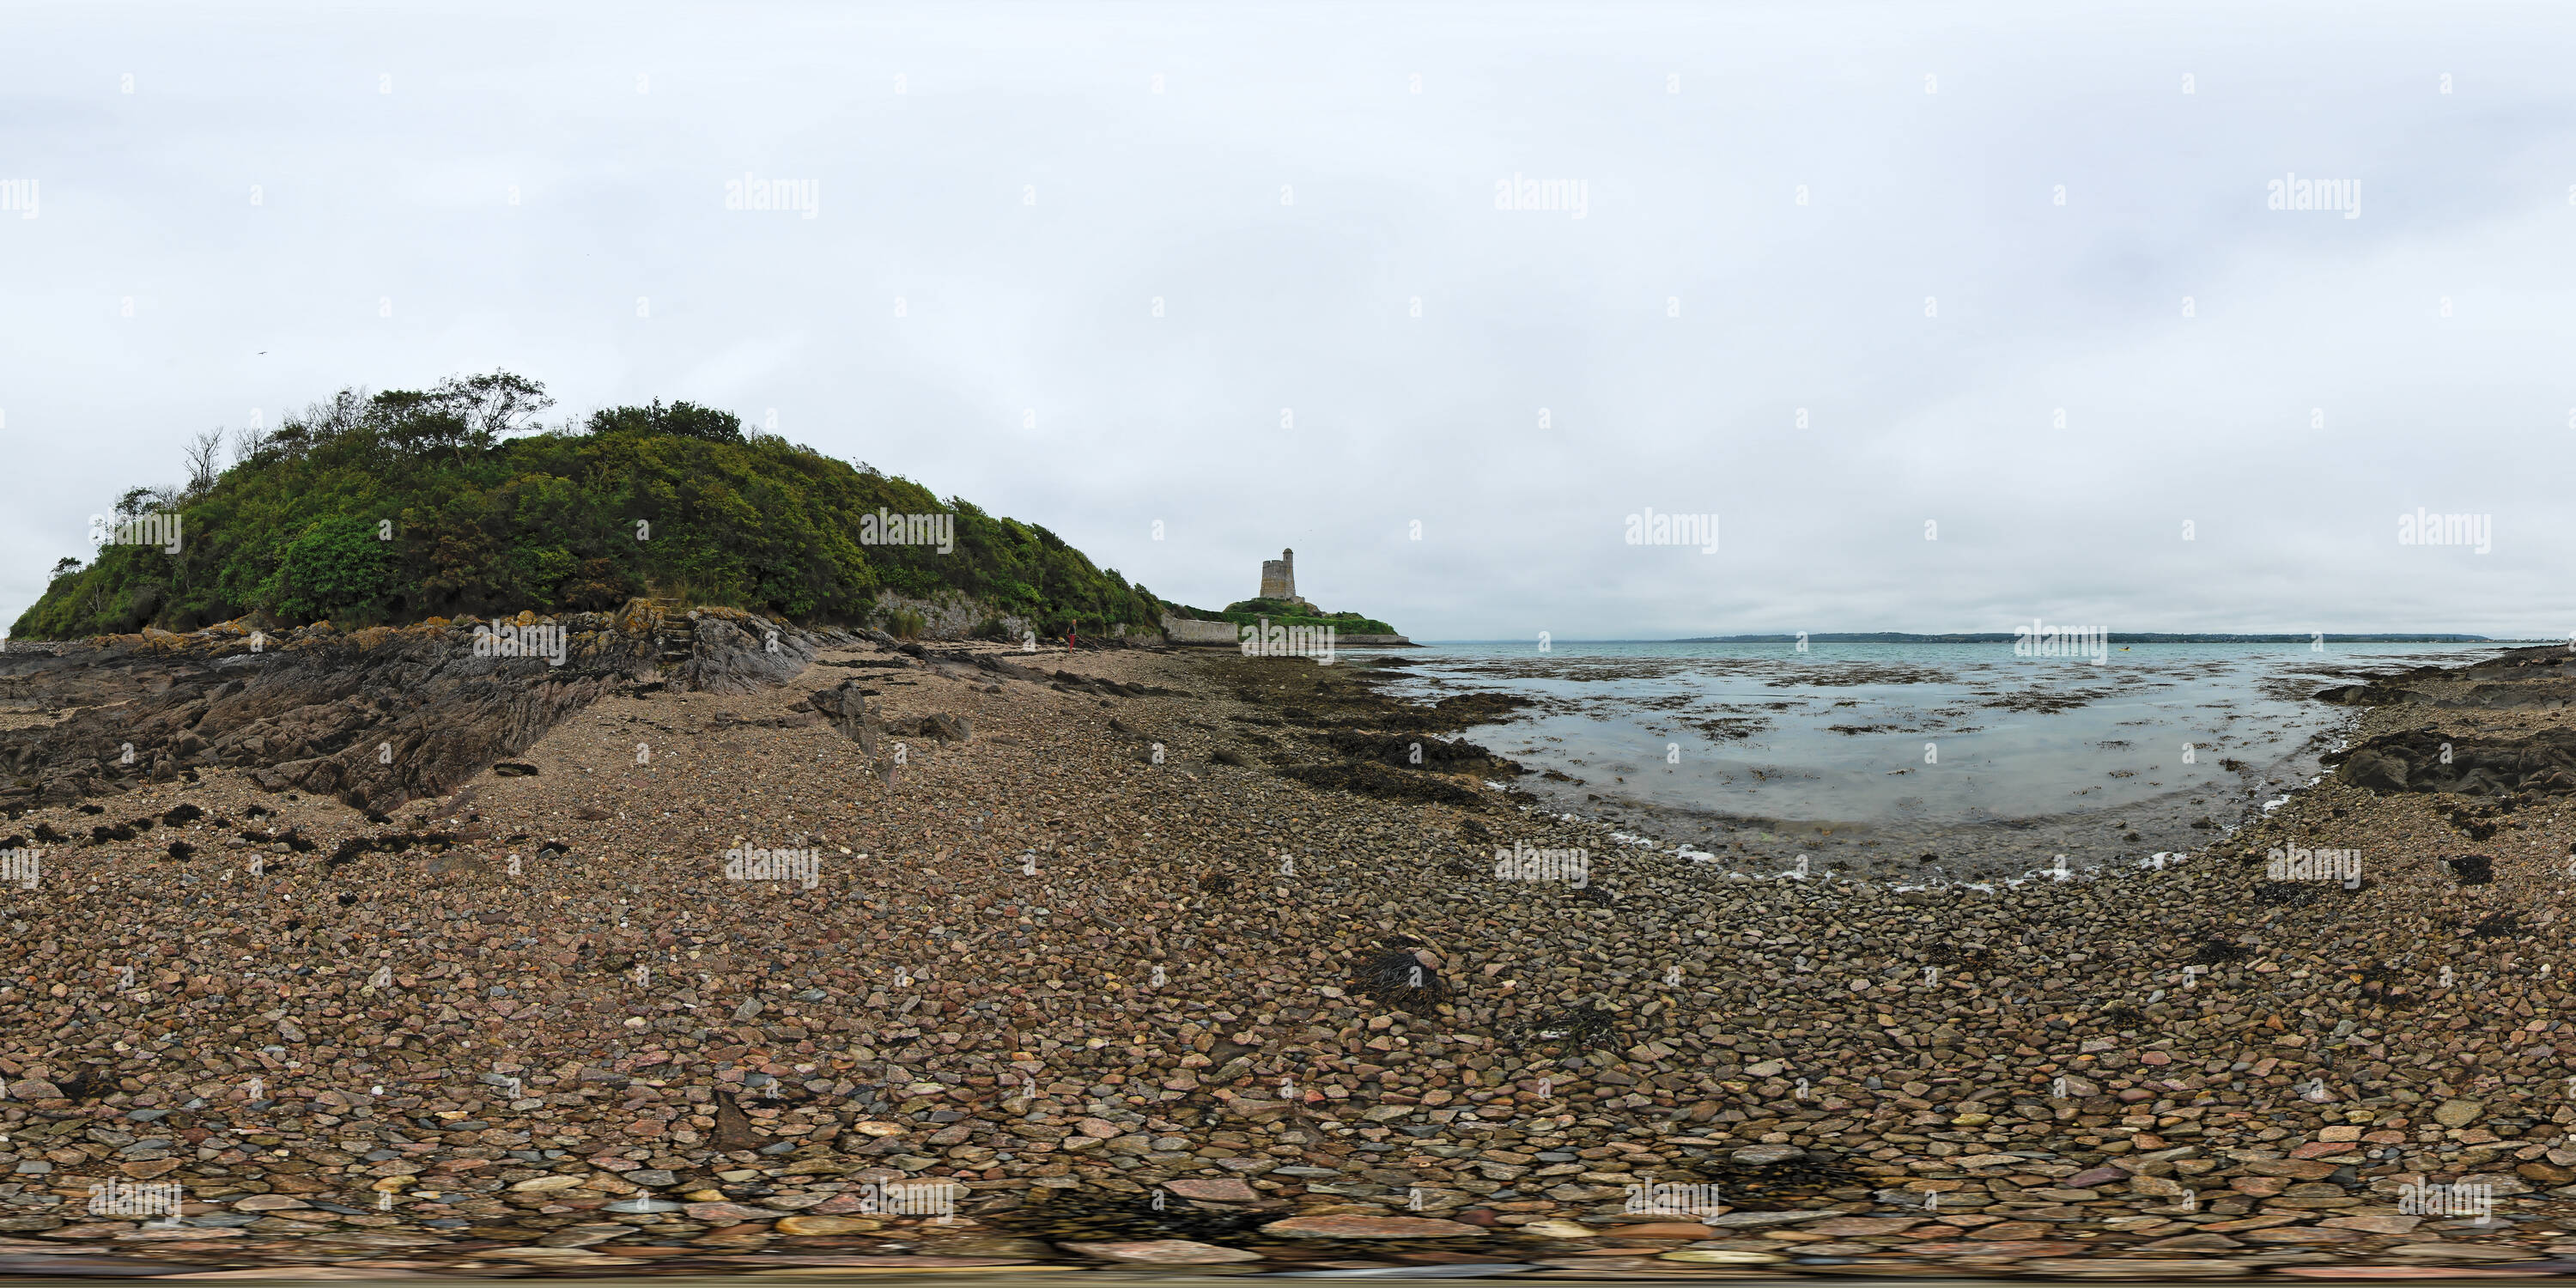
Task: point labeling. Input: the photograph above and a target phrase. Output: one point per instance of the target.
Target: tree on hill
(685, 419)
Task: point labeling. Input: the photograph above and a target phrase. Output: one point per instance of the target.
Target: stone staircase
(676, 636)
(674, 630)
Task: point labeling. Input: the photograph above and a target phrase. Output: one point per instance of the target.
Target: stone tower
(1279, 577)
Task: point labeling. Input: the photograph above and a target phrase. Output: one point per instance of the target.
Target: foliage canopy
(452, 502)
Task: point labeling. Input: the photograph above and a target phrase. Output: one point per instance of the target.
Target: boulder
(2375, 771)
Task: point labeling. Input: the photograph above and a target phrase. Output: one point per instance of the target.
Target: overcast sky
(1846, 212)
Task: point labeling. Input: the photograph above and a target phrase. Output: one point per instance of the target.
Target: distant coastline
(2116, 637)
(2007, 637)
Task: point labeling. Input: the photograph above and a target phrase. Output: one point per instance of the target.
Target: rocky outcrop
(376, 716)
(2425, 760)
(2466, 763)
(736, 652)
(2539, 678)
(1419, 752)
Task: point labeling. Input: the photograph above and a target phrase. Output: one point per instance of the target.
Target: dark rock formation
(376, 716)
(2525, 677)
(1416, 751)
(2428, 760)
(2423, 760)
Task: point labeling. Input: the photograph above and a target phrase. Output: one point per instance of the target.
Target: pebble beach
(1146, 957)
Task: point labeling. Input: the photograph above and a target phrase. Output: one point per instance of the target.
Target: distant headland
(1278, 604)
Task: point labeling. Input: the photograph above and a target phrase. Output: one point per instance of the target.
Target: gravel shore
(1143, 957)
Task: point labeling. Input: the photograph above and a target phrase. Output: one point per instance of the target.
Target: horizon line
(1985, 637)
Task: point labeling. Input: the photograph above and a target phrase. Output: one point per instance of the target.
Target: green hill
(407, 504)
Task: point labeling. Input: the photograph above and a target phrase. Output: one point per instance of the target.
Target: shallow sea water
(1869, 757)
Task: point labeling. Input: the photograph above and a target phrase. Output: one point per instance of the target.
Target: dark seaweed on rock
(89, 1084)
(1368, 778)
(2495, 925)
(2218, 952)
(1400, 751)
(2119, 1017)
(1393, 975)
(1584, 1026)
(2285, 894)
(291, 838)
(2473, 826)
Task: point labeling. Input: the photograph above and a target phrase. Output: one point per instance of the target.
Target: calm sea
(1964, 752)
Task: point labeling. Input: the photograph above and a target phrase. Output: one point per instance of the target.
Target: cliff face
(374, 717)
